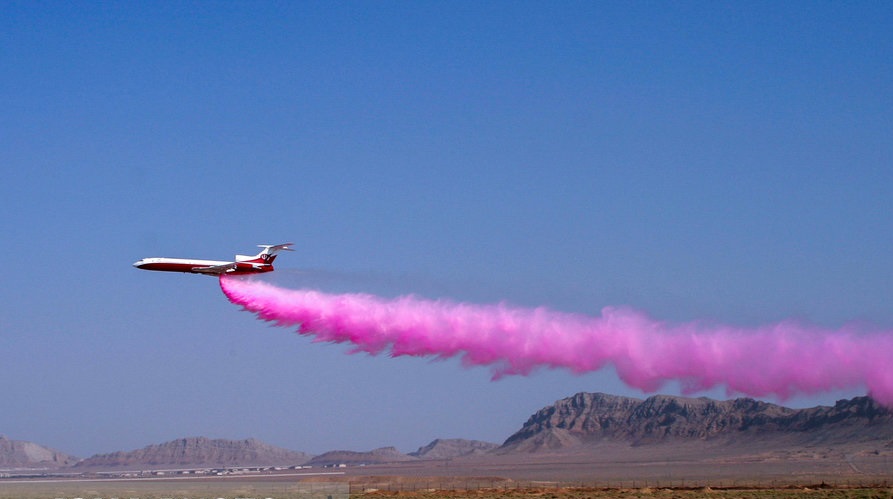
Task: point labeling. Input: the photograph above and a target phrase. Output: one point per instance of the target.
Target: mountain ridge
(449, 448)
(579, 423)
(22, 454)
(382, 455)
(198, 451)
(589, 418)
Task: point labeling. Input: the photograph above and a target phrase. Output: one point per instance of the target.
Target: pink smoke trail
(780, 359)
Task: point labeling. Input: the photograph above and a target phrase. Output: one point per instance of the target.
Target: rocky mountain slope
(20, 454)
(587, 418)
(198, 451)
(353, 458)
(448, 448)
(584, 423)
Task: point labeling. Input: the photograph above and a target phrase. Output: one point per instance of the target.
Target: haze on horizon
(727, 163)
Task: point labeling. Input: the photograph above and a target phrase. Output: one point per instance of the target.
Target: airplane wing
(215, 269)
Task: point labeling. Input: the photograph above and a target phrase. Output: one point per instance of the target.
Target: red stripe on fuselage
(163, 266)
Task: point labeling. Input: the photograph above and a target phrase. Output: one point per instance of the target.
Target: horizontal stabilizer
(272, 248)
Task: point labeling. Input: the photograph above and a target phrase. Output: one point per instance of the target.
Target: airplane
(243, 264)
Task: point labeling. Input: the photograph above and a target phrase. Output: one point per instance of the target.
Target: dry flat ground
(647, 472)
(679, 466)
(246, 490)
(612, 493)
(170, 489)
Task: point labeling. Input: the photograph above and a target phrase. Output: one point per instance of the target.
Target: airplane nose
(137, 263)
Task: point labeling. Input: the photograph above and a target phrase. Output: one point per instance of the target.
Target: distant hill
(588, 418)
(198, 452)
(582, 423)
(20, 454)
(353, 458)
(448, 448)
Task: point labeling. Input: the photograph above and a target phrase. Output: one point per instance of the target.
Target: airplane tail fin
(267, 255)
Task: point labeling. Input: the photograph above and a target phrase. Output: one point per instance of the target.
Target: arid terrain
(587, 445)
(640, 473)
(508, 490)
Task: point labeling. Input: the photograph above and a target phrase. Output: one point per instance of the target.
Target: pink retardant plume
(779, 360)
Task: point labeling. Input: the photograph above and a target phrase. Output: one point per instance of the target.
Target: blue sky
(717, 161)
